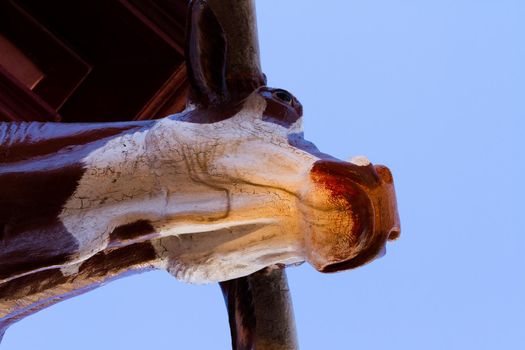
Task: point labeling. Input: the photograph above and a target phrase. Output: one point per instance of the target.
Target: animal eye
(284, 96)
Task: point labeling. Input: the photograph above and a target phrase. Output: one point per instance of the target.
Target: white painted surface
(238, 179)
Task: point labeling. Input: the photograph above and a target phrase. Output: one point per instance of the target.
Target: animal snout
(360, 214)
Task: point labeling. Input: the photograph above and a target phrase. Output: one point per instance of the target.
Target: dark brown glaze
(368, 193)
(29, 294)
(129, 232)
(109, 260)
(39, 171)
(30, 201)
(241, 314)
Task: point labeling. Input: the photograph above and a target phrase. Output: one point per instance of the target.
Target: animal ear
(205, 56)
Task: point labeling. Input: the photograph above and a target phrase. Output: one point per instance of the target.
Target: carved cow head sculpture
(219, 191)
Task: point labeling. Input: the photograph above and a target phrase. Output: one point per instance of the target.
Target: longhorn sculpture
(219, 191)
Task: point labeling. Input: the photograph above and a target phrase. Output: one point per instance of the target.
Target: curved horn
(205, 56)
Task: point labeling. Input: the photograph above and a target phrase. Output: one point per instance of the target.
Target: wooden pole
(259, 305)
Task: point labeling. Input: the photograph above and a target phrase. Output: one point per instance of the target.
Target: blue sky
(436, 91)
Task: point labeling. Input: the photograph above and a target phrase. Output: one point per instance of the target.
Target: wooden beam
(275, 323)
(260, 311)
(259, 305)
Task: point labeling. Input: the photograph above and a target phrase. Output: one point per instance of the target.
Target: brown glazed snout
(356, 213)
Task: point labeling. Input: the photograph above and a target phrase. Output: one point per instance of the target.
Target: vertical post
(260, 311)
(239, 22)
(275, 324)
(259, 305)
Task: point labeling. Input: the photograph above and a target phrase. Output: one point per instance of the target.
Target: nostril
(394, 233)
